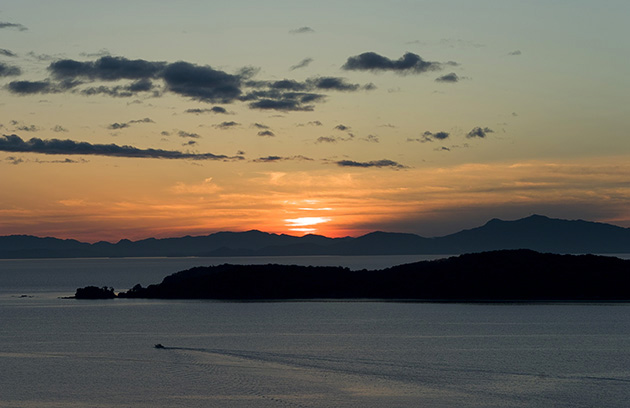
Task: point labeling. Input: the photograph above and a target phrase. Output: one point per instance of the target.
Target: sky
(142, 119)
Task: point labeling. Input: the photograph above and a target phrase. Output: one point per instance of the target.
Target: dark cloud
(59, 128)
(302, 30)
(333, 83)
(7, 53)
(198, 82)
(273, 159)
(267, 133)
(376, 163)
(106, 68)
(292, 95)
(15, 144)
(281, 105)
(190, 143)
(260, 126)
(408, 64)
(141, 85)
(202, 82)
(145, 120)
(452, 78)
(430, 137)
(181, 133)
(302, 64)
(342, 127)
(214, 109)
(9, 70)
(116, 126)
(247, 72)
(31, 87)
(516, 52)
(479, 132)
(289, 85)
(227, 125)
(19, 27)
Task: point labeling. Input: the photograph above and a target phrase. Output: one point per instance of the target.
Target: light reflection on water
(67, 353)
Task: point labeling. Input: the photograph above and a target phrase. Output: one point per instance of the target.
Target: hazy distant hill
(536, 232)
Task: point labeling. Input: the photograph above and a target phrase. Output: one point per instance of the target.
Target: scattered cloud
(201, 83)
(9, 70)
(333, 83)
(281, 105)
(181, 133)
(409, 63)
(145, 120)
(226, 125)
(260, 126)
(328, 139)
(342, 127)
(274, 159)
(267, 133)
(479, 132)
(117, 126)
(430, 137)
(19, 27)
(302, 30)
(516, 52)
(302, 64)
(376, 163)
(448, 78)
(123, 125)
(15, 144)
(65, 161)
(7, 53)
(14, 160)
(371, 139)
(58, 128)
(27, 128)
(214, 109)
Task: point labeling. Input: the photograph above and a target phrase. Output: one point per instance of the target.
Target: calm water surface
(67, 353)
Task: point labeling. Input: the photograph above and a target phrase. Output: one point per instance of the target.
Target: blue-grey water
(62, 353)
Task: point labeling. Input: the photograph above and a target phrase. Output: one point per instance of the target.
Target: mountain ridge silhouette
(536, 232)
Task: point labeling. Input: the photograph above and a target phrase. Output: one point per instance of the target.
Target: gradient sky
(157, 118)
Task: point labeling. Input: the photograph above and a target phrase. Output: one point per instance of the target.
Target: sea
(67, 353)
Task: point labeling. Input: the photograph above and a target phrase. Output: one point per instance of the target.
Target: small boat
(159, 346)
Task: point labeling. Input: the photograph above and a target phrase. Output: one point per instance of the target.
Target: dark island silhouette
(536, 232)
(506, 275)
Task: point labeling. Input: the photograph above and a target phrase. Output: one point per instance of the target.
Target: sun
(305, 224)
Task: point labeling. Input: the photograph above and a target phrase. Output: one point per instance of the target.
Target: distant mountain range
(537, 232)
